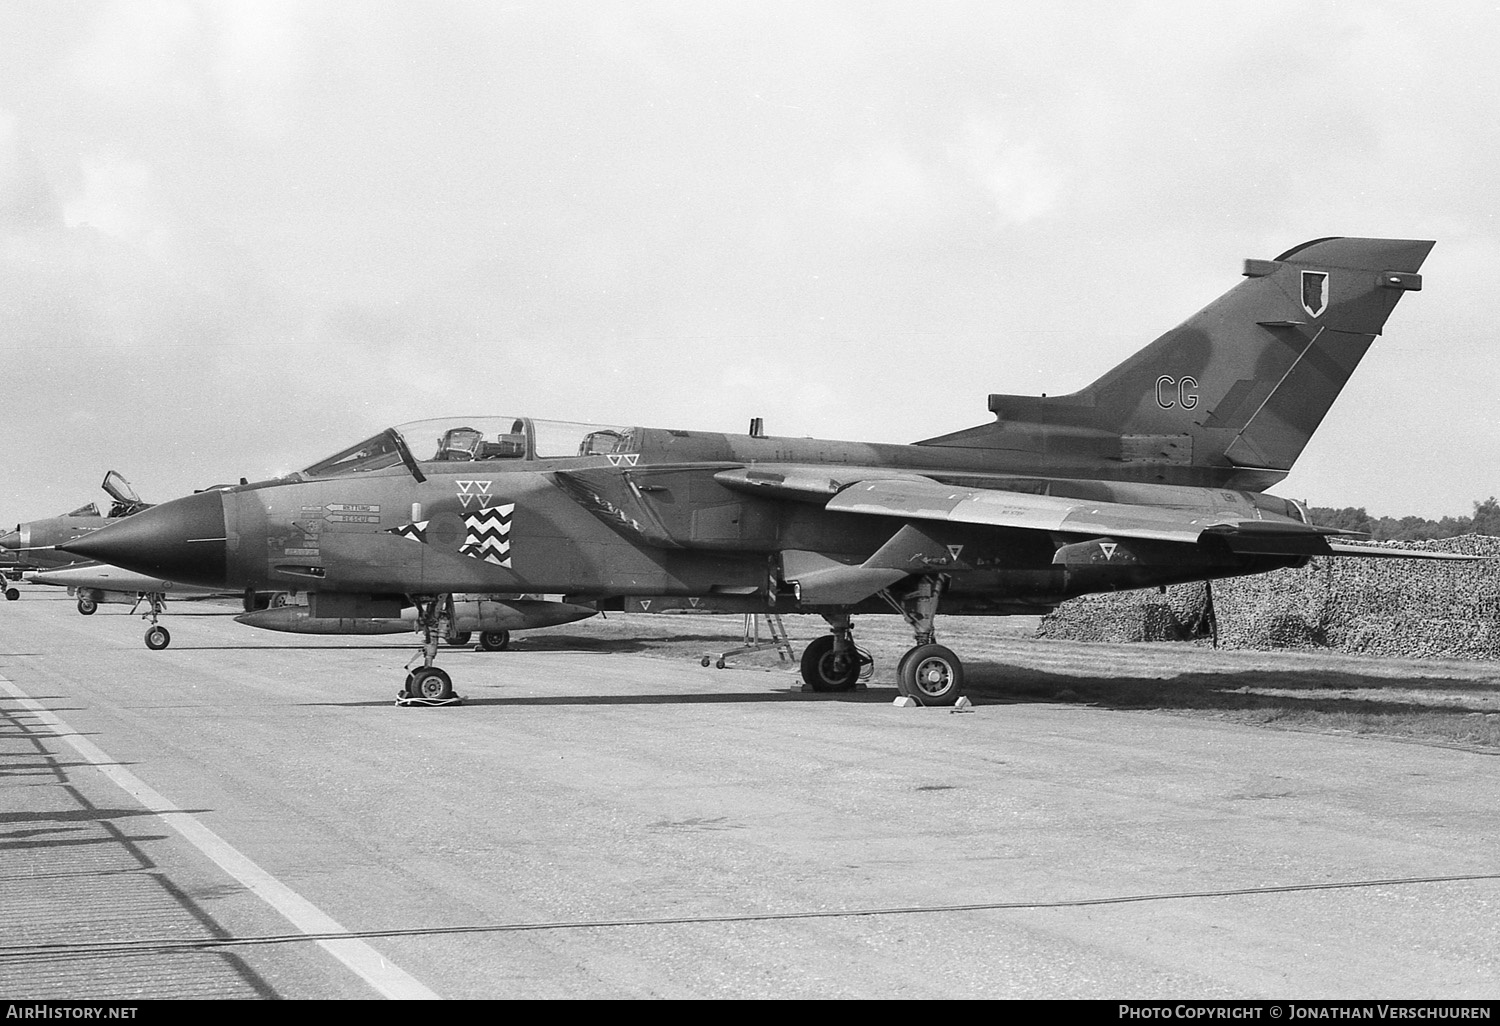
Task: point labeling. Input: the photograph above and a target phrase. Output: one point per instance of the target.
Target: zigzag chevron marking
(416, 532)
(486, 533)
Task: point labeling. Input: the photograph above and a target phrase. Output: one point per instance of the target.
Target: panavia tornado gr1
(1155, 474)
(37, 543)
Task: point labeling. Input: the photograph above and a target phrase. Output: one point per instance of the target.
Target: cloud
(236, 61)
(854, 219)
(1011, 169)
(117, 198)
(26, 200)
(144, 52)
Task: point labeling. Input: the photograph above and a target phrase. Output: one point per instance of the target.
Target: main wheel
(932, 675)
(823, 670)
(901, 671)
(459, 638)
(86, 605)
(11, 594)
(430, 682)
(157, 638)
(494, 641)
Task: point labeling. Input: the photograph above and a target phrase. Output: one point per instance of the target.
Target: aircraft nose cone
(11, 540)
(182, 540)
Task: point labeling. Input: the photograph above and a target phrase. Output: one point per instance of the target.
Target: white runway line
(364, 961)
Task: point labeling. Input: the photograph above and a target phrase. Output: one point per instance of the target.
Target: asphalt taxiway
(247, 815)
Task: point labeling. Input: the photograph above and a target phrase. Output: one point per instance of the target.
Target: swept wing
(1186, 515)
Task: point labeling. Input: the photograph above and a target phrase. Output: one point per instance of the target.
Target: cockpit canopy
(476, 438)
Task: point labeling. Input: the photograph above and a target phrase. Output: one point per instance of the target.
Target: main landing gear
(157, 636)
(928, 673)
(833, 662)
(428, 684)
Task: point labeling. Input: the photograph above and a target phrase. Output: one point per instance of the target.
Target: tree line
(1486, 520)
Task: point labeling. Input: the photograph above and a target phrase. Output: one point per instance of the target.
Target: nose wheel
(427, 684)
(157, 636)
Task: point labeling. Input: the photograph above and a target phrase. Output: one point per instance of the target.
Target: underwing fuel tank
(481, 615)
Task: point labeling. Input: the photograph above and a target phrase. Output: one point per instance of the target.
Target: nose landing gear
(157, 636)
(428, 684)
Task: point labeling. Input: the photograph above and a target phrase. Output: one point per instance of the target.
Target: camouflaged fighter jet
(1155, 474)
(34, 545)
(37, 541)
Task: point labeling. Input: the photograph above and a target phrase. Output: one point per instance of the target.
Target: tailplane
(1232, 395)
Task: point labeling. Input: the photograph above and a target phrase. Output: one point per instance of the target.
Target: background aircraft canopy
(120, 489)
(476, 438)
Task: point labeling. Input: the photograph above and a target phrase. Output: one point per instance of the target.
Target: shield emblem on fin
(1314, 292)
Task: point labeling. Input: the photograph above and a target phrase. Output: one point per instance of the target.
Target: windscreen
(375, 453)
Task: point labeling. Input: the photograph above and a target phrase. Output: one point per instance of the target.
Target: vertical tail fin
(1236, 390)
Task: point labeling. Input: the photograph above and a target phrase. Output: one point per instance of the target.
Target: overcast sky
(236, 236)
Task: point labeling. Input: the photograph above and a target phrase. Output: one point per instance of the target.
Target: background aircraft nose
(182, 540)
(11, 540)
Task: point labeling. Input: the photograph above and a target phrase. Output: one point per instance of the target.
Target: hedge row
(1393, 607)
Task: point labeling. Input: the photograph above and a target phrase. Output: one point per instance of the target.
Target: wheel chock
(962, 705)
(404, 700)
(906, 702)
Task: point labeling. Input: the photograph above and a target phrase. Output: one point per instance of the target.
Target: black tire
(901, 671)
(157, 638)
(430, 683)
(494, 641)
(821, 671)
(86, 605)
(932, 675)
(459, 638)
(11, 594)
